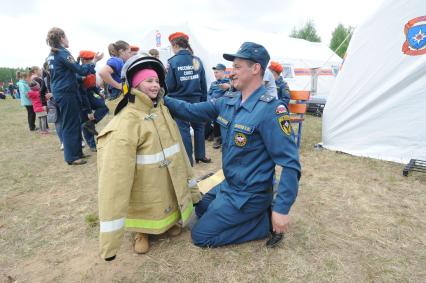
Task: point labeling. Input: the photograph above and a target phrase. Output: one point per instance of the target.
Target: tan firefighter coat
(145, 181)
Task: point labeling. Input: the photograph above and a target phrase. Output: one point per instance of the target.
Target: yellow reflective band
(187, 212)
(158, 224)
(152, 224)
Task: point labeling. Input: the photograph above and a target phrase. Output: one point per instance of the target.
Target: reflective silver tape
(111, 226)
(143, 159)
(192, 183)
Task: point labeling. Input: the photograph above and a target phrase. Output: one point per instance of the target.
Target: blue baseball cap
(219, 67)
(251, 51)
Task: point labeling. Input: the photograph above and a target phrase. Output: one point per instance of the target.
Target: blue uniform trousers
(58, 126)
(98, 104)
(199, 143)
(89, 137)
(222, 223)
(100, 110)
(69, 115)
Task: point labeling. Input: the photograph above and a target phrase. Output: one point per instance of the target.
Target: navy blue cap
(251, 51)
(219, 67)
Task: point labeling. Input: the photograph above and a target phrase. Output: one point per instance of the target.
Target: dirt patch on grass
(355, 220)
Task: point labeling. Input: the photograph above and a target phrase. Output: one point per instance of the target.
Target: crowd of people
(145, 153)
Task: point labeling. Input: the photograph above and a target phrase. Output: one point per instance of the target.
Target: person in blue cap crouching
(257, 136)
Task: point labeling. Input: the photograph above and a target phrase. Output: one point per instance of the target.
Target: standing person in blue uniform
(93, 107)
(283, 90)
(63, 69)
(186, 80)
(119, 51)
(257, 136)
(216, 91)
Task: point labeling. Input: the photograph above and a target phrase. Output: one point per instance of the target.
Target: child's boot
(141, 243)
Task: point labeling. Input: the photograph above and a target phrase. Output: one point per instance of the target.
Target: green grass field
(355, 220)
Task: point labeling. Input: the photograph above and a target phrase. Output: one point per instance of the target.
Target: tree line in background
(340, 37)
(8, 74)
(307, 32)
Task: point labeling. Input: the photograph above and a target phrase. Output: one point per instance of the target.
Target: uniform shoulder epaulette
(230, 94)
(267, 98)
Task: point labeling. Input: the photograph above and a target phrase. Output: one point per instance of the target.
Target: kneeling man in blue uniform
(257, 136)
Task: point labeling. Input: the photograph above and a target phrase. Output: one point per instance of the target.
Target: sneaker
(62, 147)
(141, 243)
(83, 144)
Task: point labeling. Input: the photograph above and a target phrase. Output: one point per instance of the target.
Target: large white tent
(297, 55)
(377, 107)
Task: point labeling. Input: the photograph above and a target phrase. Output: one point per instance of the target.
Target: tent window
(288, 71)
(335, 69)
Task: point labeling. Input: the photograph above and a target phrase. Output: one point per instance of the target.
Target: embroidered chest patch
(240, 139)
(285, 124)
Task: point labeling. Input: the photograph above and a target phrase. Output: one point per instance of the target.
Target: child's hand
(91, 116)
(98, 57)
(45, 108)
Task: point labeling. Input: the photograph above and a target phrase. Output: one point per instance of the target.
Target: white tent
(297, 55)
(377, 107)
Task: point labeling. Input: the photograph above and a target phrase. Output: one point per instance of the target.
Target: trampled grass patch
(355, 220)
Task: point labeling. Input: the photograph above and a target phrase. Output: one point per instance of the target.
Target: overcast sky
(94, 24)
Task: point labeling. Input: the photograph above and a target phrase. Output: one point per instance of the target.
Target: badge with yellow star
(240, 139)
(285, 124)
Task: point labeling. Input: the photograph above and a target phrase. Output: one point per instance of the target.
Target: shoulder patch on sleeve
(281, 109)
(266, 98)
(70, 59)
(285, 125)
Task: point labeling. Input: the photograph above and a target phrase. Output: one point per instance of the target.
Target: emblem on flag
(415, 37)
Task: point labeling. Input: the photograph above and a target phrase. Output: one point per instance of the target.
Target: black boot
(274, 240)
(204, 160)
